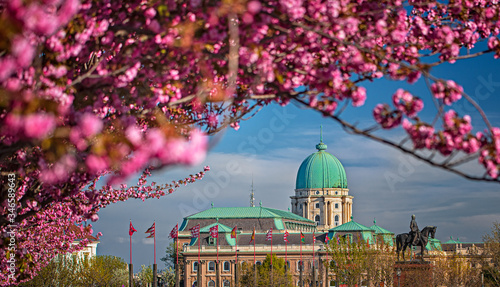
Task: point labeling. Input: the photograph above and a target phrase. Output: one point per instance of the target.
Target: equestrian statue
(414, 238)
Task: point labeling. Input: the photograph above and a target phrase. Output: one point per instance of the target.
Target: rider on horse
(415, 232)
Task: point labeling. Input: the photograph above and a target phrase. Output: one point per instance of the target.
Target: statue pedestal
(413, 273)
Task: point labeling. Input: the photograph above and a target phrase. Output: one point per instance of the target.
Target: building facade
(321, 207)
(321, 210)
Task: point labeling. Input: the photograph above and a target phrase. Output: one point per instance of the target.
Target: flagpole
(254, 246)
(327, 240)
(199, 247)
(301, 266)
(236, 250)
(176, 242)
(301, 250)
(217, 246)
(286, 252)
(154, 223)
(271, 250)
(272, 283)
(314, 257)
(155, 270)
(177, 246)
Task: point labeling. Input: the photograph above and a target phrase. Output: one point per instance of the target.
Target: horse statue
(403, 240)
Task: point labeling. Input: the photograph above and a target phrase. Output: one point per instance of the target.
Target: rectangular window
(211, 266)
(212, 241)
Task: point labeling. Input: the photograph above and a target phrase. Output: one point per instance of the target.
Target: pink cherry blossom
(39, 125)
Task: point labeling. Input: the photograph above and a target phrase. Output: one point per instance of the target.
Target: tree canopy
(92, 89)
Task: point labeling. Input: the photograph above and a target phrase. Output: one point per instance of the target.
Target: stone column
(308, 208)
(187, 270)
(343, 211)
(304, 209)
(350, 211)
(329, 213)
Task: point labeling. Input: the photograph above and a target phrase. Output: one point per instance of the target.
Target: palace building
(321, 206)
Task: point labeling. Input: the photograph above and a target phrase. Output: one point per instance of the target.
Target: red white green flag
(151, 231)
(195, 231)
(269, 235)
(233, 232)
(175, 232)
(214, 231)
(131, 229)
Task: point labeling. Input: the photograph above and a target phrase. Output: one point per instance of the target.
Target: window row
(211, 283)
(317, 219)
(317, 205)
(317, 192)
(226, 266)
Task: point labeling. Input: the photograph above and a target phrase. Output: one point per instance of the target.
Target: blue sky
(269, 149)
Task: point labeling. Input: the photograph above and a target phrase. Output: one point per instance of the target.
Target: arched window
(317, 218)
(288, 265)
(226, 283)
(211, 283)
(316, 264)
(211, 266)
(195, 266)
(195, 284)
(258, 263)
(226, 266)
(298, 265)
(336, 220)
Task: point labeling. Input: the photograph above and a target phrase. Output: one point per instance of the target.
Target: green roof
(434, 244)
(321, 170)
(246, 212)
(350, 226)
(452, 241)
(222, 228)
(378, 229)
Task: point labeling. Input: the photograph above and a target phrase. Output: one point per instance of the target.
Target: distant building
(321, 207)
(462, 248)
(90, 249)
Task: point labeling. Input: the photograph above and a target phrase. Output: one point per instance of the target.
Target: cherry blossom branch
(355, 130)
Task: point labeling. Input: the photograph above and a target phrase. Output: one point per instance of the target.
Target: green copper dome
(321, 170)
